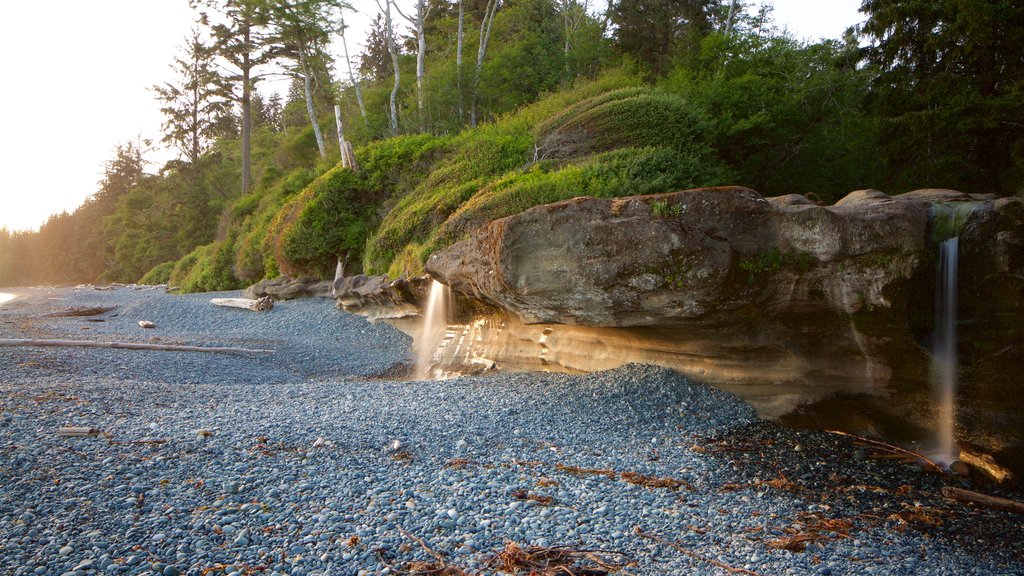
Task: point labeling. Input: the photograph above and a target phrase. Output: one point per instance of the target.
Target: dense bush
(160, 274)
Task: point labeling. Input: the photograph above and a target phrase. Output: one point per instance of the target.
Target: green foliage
(751, 107)
(786, 115)
(159, 274)
(769, 261)
(950, 76)
(764, 262)
(663, 209)
(208, 268)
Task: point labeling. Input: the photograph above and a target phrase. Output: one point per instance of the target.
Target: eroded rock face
(379, 298)
(285, 288)
(655, 260)
(780, 300)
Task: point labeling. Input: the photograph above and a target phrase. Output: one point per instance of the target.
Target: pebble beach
(323, 458)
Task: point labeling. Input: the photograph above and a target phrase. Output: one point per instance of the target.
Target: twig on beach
(440, 567)
(892, 449)
(554, 561)
(730, 569)
(128, 346)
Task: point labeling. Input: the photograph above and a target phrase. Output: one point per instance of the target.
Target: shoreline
(290, 462)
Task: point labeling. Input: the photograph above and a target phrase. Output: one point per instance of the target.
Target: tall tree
(389, 31)
(418, 21)
(950, 85)
(348, 62)
(458, 59)
(655, 32)
(303, 29)
(193, 102)
(485, 35)
(238, 28)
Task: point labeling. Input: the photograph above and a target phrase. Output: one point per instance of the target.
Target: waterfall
(432, 332)
(944, 355)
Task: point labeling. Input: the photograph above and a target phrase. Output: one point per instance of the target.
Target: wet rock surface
(213, 467)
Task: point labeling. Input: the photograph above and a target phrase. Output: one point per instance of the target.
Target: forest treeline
(462, 111)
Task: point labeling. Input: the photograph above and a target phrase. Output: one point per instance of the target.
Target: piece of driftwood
(76, 312)
(985, 464)
(77, 431)
(262, 305)
(984, 500)
(129, 346)
(893, 450)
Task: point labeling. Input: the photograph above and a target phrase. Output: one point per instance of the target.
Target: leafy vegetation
(556, 104)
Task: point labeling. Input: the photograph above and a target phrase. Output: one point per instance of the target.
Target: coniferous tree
(656, 32)
(949, 84)
(241, 40)
(303, 30)
(194, 102)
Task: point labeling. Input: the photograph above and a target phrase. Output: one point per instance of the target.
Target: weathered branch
(262, 305)
(127, 346)
(984, 500)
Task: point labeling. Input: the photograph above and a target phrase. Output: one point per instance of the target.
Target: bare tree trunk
(341, 135)
(307, 80)
(246, 116)
(607, 17)
(419, 22)
(458, 65)
(728, 21)
(351, 76)
(572, 15)
(393, 50)
(485, 35)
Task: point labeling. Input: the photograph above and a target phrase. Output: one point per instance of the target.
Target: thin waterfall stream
(433, 330)
(944, 354)
(949, 219)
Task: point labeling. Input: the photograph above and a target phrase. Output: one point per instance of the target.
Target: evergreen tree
(194, 102)
(656, 32)
(950, 84)
(241, 40)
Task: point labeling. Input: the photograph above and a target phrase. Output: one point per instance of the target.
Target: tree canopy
(460, 111)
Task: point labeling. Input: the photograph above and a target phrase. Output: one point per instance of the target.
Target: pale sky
(77, 77)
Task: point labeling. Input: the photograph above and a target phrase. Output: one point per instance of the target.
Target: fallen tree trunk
(984, 500)
(129, 346)
(261, 305)
(75, 312)
(77, 431)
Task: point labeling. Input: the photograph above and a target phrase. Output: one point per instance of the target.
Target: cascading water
(948, 220)
(435, 325)
(944, 355)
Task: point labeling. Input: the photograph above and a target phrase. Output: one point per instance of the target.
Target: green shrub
(626, 172)
(160, 274)
(208, 268)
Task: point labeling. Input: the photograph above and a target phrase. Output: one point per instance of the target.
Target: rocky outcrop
(656, 260)
(780, 300)
(285, 288)
(379, 298)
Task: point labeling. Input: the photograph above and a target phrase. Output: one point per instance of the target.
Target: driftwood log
(984, 500)
(76, 312)
(985, 464)
(262, 305)
(129, 346)
(77, 431)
